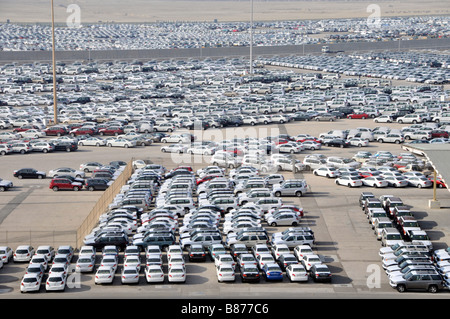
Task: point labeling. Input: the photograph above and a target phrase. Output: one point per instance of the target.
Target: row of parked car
(407, 255)
(177, 35)
(91, 176)
(391, 171)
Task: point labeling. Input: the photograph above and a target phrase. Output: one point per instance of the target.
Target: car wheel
(277, 194)
(3, 153)
(109, 145)
(22, 151)
(397, 142)
(401, 288)
(341, 146)
(82, 144)
(294, 224)
(76, 188)
(55, 188)
(419, 186)
(91, 188)
(273, 224)
(40, 177)
(433, 289)
(126, 146)
(19, 176)
(380, 140)
(2, 188)
(298, 194)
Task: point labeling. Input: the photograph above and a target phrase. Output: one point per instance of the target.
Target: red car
(82, 131)
(55, 130)
(361, 116)
(24, 128)
(439, 133)
(113, 130)
(439, 182)
(64, 184)
(280, 141)
(309, 139)
(206, 178)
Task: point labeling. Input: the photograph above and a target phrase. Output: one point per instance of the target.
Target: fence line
(102, 204)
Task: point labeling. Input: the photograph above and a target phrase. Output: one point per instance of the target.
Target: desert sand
(147, 11)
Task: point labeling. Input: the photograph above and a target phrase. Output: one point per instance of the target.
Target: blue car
(272, 272)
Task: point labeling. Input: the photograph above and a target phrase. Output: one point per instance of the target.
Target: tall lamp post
(55, 101)
(251, 38)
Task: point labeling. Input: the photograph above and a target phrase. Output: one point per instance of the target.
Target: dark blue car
(272, 272)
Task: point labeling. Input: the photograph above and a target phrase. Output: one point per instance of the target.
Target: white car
(383, 119)
(177, 273)
(201, 150)
(224, 259)
(23, 253)
(154, 274)
(325, 171)
(374, 181)
(55, 282)
(311, 145)
(225, 273)
(85, 263)
(120, 142)
(39, 259)
(176, 138)
(289, 148)
(129, 275)
(6, 254)
(284, 218)
(31, 283)
(301, 251)
(32, 133)
(66, 171)
(350, 181)
(109, 260)
(92, 141)
(296, 272)
(132, 261)
(174, 148)
(175, 260)
(359, 142)
(309, 260)
(59, 268)
(104, 275)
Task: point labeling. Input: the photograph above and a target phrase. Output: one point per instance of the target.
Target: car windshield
(130, 271)
(84, 260)
(103, 271)
(226, 270)
(29, 279)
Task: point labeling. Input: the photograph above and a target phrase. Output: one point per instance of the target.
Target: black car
(93, 184)
(301, 116)
(250, 273)
(66, 146)
(196, 253)
(338, 142)
(29, 173)
(320, 272)
(120, 241)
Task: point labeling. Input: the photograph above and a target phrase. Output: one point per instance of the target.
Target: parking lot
(181, 95)
(344, 239)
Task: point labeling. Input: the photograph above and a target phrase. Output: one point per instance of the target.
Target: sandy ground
(136, 11)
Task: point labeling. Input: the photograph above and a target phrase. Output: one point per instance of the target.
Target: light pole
(55, 101)
(251, 38)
